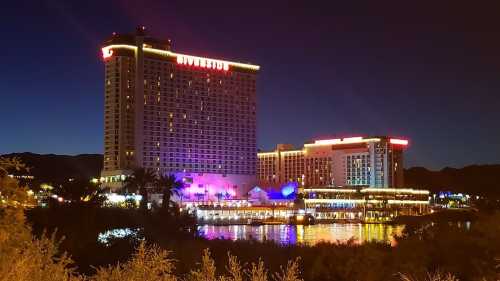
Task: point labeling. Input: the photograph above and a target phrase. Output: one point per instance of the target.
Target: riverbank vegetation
(467, 250)
(168, 249)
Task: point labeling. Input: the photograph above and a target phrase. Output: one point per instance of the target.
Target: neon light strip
(342, 141)
(354, 139)
(399, 141)
(395, 190)
(334, 200)
(333, 190)
(327, 142)
(407, 202)
(174, 55)
(364, 201)
(108, 52)
(262, 154)
(291, 151)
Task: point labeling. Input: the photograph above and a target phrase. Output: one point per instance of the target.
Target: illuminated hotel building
(177, 113)
(357, 161)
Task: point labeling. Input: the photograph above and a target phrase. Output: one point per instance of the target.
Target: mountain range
(474, 179)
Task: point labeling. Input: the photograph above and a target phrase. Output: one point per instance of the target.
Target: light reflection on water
(305, 234)
(118, 233)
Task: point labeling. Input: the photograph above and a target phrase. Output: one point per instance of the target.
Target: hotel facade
(174, 113)
(357, 161)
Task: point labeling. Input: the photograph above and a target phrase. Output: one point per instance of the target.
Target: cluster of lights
(114, 198)
(22, 177)
(229, 204)
(116, 178)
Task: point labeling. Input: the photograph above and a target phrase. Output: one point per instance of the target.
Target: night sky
(428, 73)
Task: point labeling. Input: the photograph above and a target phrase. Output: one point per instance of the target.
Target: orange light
(353, 139)
(350, 140)
(398, 141)
(106, 52)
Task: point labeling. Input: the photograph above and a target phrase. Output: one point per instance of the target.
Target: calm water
(305, 234)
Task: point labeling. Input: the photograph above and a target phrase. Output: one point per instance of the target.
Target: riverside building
(178, 113)
(356, 161)
(356, 179)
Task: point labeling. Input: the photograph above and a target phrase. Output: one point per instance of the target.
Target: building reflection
(305, 234)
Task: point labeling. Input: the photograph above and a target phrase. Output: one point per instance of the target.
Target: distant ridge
(474, 179)
(55, 168)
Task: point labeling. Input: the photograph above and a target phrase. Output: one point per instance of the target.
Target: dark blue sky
(429, 73)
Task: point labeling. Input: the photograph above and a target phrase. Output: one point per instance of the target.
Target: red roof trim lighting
(398, 141)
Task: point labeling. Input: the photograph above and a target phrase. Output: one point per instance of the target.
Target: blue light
(288, 189)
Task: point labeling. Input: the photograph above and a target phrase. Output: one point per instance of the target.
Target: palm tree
(169, 186)
(138, 182)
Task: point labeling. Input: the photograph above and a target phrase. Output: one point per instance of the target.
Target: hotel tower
(178, 114)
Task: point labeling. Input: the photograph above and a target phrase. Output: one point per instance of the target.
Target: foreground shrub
(436, 276)
(147, 263)
(237, 272)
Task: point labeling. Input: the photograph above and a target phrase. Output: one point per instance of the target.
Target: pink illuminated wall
(211, 186)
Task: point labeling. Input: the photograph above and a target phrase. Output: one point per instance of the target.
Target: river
(285, 234)
(305, 234)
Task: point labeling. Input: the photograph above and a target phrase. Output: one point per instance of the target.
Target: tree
(168, 186)
(22, 256)
(138, 182)
(10, 164)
